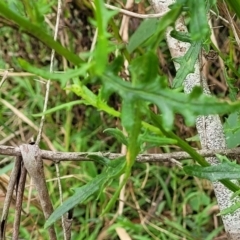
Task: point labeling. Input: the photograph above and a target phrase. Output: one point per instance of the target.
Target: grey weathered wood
(34, 165)
(209, 127)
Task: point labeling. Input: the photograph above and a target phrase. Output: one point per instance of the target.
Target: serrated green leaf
(170, 102)
(187, 63)
(224, 170)
(118, 134)
(91, 99)
(101, 51)
(83, 193)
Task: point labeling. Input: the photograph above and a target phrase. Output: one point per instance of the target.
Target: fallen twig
(86, 156)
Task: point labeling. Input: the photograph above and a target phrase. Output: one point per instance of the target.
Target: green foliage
(199, 28)
(232, 89)
(213, 173)
(187, 63)
(224, 170)
(113, 170)
(181, 36)
(232, 130)
(38, 32)
(118, 134)
(235, 6)
(146, 86)
(144, 31)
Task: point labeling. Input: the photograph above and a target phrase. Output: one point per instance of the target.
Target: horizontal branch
(84, 156)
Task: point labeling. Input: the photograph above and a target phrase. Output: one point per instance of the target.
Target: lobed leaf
(187, 63)
(171, 102)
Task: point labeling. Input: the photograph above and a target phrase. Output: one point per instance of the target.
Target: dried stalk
(209, 127)
(86, 156)
(19, 201)
(8, 198)
(34, 165)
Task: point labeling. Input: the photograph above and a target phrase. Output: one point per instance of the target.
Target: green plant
(147, 87)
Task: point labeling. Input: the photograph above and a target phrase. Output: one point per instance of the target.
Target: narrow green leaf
(157, 140)
(167, 20)
(235, 4)
(83, 193)
(199, 28)
(146, 29)
(133, 147)
(63, 77)
(229, 210)
(225, 170)
(99, 159)
(128, 113)
(102, 16)
(118, 134)
(79, 196)
(59, 107)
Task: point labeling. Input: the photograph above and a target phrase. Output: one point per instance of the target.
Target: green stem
(187, 148)
(39, 33)
(132, 152)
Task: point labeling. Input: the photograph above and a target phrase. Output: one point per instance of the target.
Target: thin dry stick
(59, 10)
(8, 198)
(231, 24)
(19, 200)
(124, 35)
(138, 208)
(86, 156)
(26, 120)
(5, 75)
(34, 165)
(133, 14)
